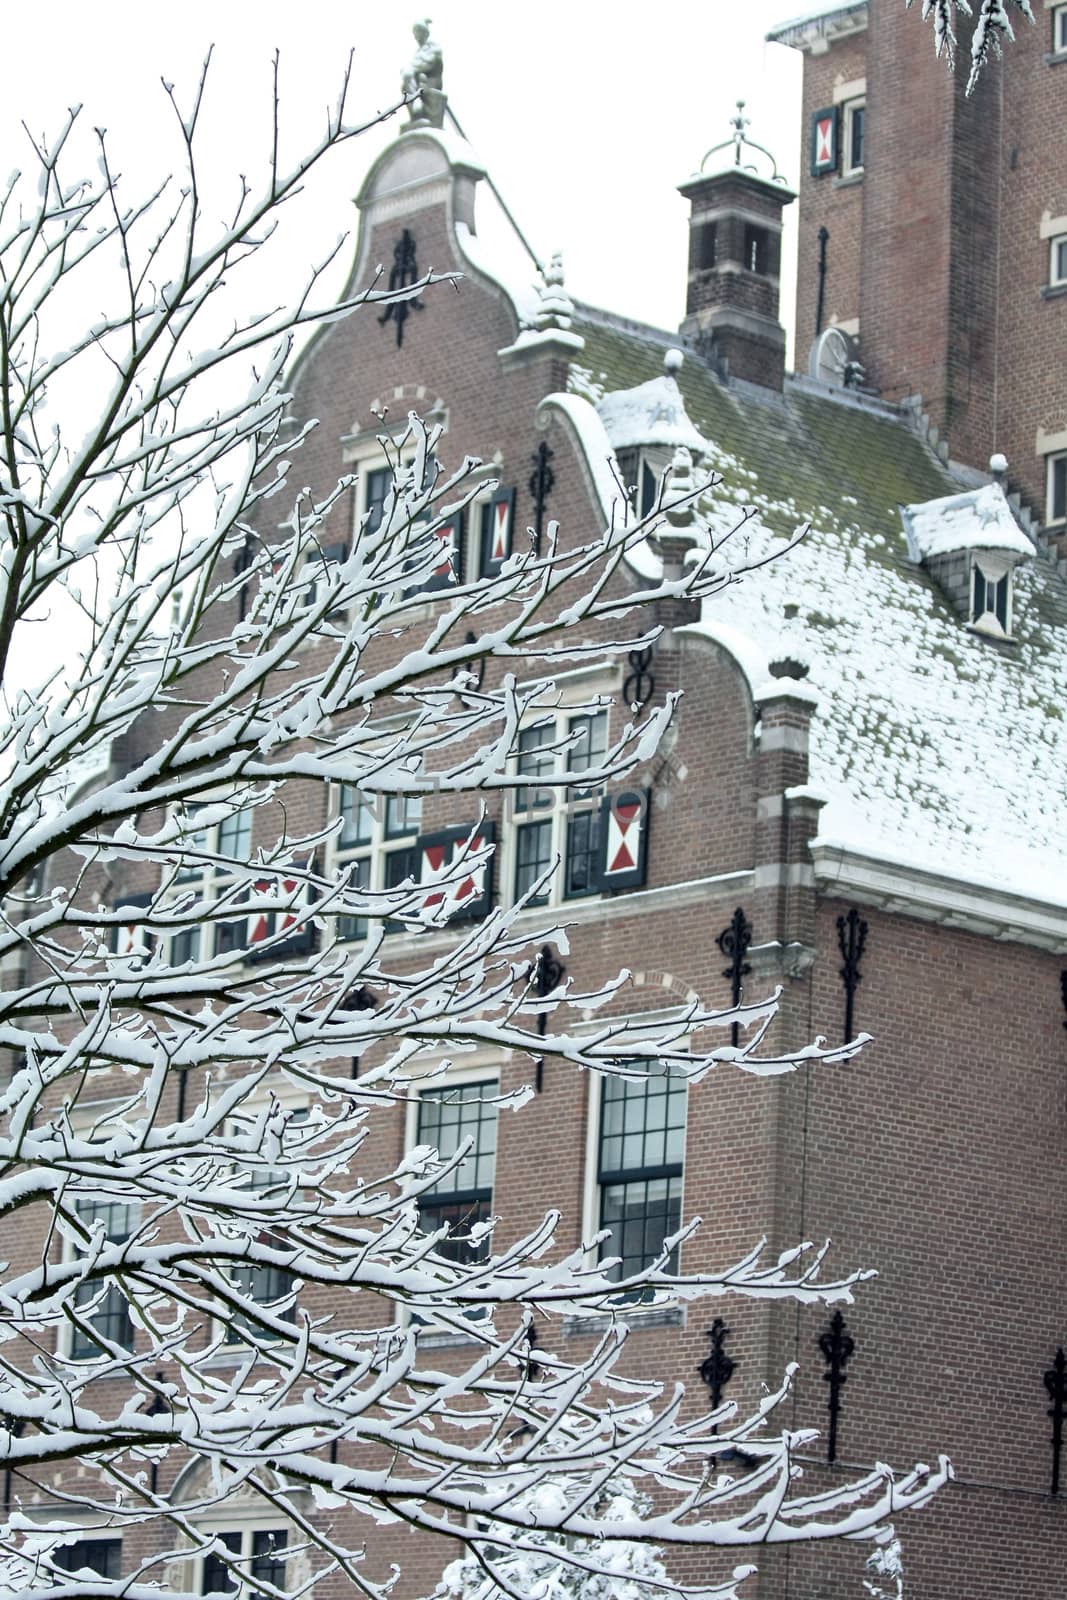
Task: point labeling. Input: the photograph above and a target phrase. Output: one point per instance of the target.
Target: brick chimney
(735, 251)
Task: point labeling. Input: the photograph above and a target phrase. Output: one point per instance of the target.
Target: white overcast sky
(587, 115)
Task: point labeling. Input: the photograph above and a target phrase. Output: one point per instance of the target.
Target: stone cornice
(818, 32)
(937, 897)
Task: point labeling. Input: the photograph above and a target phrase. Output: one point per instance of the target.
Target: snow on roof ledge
(596, 447)
(979, 519)
(755, 667)
(652, 413)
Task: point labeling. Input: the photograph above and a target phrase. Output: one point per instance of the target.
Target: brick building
(863, 796)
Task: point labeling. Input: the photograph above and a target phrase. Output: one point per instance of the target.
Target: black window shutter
(438, 849)
(130, 932)
(498, 519)
(825, 131)
(624, 839)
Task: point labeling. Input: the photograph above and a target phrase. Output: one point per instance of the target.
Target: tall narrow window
(1059, 30)
(377, 844)
(448, 1118)
(1057, 266)
(757, 248)
(641, 1151)
(1056, 508)
(855, 118)
(533, 837)
(583, 822)
(111, 1319)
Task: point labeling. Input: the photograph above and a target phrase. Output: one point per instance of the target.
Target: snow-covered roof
(651, 413)
(978, 519)
(934, 745)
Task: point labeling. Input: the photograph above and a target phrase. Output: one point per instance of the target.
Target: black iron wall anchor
(639, 684)
(851, 941)
(1063, 993)
(1056, 1384)
(837, 1346)
(402, 275)
(550, 974)
(542, 482)
(734, 941)
(717, 1368)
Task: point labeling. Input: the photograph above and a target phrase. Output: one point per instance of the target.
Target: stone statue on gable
(423, 80)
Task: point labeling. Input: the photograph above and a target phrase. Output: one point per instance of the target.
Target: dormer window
(991, 595)
(642, 473)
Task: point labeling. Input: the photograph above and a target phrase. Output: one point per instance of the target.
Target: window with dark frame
(579, 744)
(111, 1319)
(232, 838)
(447, 1118)
(102, 1557)
(641, 1150)
(377, 843)
(264, 1285)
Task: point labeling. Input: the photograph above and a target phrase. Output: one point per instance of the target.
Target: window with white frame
(377, 843)
(1059, 30)
(261, 1553)
(853, 120)
(265, 1286)
(1057, 262)
(642, 472)
(101, 1557)
(1056, 497)
(556, 823)
(196, 881)
(448, 1118)
(991, 594)
(639, 1166)
(110, 1317)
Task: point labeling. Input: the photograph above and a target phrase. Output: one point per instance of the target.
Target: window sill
(1055, 58)
(1053, 291)
(636, 1317)
(848, 180)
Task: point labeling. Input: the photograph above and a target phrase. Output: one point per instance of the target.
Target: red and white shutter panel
(450, 536)
(624, 832)
(498, 519)
(824, 141)
(439, 850)
(130, 937)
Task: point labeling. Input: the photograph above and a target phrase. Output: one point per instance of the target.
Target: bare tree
(992, 27)
(163, 1199)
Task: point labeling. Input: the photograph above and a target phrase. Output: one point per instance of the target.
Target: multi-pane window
(555, 822)
(447, 1119)
(855, 112)
(641, 476)
(231, 838)
(262, 1552)
(111, 1318)
(264, 1285)
(1056, 509)
(378, 845)
(101, 1557)
(639, 1168)
(1057, 266)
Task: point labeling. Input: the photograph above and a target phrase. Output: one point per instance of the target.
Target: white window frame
(1056, 462)
(993, 569)
(1059, 30)
(552, 806)
(247, 1527)
(207, 883)
(591, 1195)
(1057, 250)
(488, 1074)
(66, 1334)
(384, 841)
(849, 166)
(652, 462)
